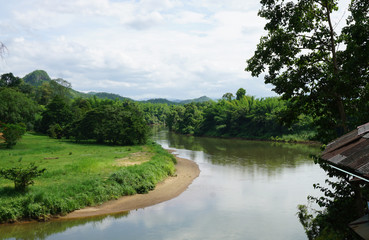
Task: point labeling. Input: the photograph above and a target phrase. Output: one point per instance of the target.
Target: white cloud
(147, 48)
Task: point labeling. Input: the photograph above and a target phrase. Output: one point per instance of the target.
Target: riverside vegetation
(78, 175)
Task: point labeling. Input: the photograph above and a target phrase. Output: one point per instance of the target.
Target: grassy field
(78, 175)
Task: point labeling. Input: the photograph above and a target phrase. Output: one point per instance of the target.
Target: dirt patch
(133, 159)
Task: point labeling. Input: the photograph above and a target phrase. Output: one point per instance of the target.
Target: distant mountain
(160, 100)
(197, 100)
(105, 95)
(36, 78)
(178, 102)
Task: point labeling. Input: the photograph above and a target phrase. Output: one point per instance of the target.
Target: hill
(105, 95)
(36, 78)
(179, 102)
(160, 100)
(197, 100)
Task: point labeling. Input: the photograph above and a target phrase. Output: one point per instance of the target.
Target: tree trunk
(336, 71)
(359, 203)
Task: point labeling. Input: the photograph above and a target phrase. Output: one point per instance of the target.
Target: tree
(16, 107)
(240, 93)
(228, 96)
(12, 133)
(60, 88)
(119, 123)
(301, 58)
(54, 88)
(57, 112)
(9, 80)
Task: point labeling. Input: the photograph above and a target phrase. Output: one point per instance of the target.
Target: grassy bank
(78, 175)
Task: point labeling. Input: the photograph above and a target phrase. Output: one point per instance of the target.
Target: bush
(12, 133)
(22, 176)
(55, 131)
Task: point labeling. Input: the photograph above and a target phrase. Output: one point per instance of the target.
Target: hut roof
(351, 151)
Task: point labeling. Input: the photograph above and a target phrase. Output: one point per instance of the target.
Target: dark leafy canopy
(244, 117)
(16, 107)
(9, 80)
(12, 133)
(301, 58)
(240, 93)
(119, 123)
(57, 112)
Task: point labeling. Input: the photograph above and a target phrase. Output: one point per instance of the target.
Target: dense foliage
(118, 123)
(323, 73)
(46, 106)
(12, 133)
(245, 117)
(17, 107)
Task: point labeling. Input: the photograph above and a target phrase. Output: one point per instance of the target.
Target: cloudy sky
(136, 48)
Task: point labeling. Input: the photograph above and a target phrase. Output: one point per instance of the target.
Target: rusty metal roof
(351, 151)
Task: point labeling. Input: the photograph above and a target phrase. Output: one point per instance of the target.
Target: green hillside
(36, 78)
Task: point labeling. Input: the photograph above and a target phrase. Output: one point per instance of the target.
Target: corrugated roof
(350, 151)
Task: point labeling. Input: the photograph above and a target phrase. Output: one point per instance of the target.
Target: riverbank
(171, 187)
(78, 175)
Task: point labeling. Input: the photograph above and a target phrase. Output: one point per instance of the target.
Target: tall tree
(9, 80)
(240, 93)
(301, 58)
(57, 112)
(16, 107)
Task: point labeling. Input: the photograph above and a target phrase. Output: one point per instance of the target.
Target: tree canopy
(322, 72)
(15, 107)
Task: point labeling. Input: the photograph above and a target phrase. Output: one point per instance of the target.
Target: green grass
(77, 175)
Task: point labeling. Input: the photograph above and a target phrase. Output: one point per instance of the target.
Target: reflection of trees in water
(42, 230)
(269, 155)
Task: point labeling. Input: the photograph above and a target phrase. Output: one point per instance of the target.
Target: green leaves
(16, 107)
(121, 124)
(307, 61)
(22, 176)
(12, 133)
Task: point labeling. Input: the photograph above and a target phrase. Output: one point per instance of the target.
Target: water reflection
(268, 157)
(41, 230)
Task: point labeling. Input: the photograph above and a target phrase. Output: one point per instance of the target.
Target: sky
(175, 49)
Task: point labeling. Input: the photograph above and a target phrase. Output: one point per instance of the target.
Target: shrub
(22, 176)
(55, 131)
(12, 133)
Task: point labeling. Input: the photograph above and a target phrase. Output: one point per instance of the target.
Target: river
(246, 190)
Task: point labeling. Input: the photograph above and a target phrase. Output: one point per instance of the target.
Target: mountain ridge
(38, 77)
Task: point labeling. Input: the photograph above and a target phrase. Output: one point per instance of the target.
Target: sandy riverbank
(171, 187)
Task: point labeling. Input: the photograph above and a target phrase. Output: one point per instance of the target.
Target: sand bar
(171, 187)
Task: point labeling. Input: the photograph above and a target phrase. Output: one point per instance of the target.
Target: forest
(38, 103)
